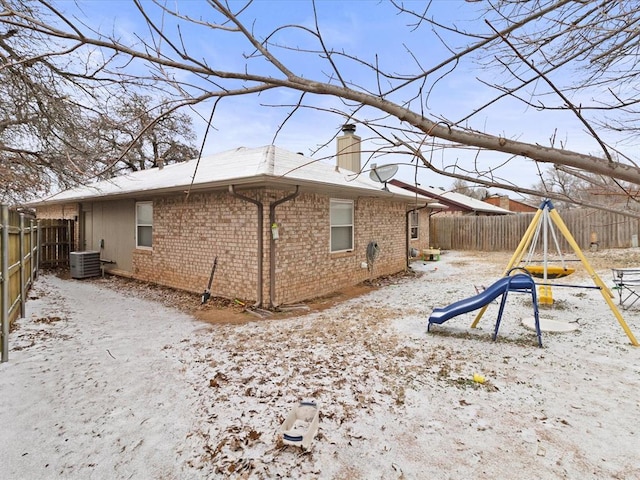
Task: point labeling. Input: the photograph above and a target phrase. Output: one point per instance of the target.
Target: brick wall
(422, 241)
(305, 266)
(503, 201)
(188, 235)
(68, 211)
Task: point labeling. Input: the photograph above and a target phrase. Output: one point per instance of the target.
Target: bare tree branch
(550, 38)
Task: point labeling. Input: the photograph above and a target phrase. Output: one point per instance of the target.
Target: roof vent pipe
(348, 149)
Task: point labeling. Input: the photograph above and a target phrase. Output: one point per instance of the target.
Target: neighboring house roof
(453, 200)
(510, 204)
(269, 166)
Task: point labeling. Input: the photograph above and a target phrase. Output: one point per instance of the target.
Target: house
(284, 228)
(457, 203)
(503, 201)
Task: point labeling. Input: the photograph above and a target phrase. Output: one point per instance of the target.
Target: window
(414, 224)
(144, 224)
(341, 217)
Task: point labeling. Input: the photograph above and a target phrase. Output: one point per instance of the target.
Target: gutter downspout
(272, 245)
(233, 192)
(407, 232)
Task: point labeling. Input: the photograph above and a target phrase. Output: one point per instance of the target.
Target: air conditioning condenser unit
(84, 264)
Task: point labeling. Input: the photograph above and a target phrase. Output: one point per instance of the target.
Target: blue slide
(520, 283)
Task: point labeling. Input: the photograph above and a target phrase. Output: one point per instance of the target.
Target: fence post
(31, 252)
(23, 288)
(39, 246)
(69, 237)
(4, 315)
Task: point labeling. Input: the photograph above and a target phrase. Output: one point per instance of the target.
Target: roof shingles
(238, 166)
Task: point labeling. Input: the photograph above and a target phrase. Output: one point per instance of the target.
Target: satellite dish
(382, 174)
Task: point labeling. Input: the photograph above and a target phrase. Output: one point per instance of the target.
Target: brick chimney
(348, 149)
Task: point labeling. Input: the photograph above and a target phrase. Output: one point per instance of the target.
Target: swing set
(546, 271)
(543, 221)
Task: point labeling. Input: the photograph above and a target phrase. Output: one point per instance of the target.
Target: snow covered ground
(104, 384)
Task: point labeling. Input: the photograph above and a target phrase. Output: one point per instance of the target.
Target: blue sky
(372, 31)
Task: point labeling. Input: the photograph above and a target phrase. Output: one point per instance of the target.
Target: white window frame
(414, 224)
(138, 225)
(336, 201)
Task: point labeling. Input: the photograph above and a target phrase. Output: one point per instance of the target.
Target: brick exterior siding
(505, 202)
(305, 266)
(189, 234)
(68, 211)
(422, 241)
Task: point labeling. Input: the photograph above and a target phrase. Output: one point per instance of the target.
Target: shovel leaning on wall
(206, 295)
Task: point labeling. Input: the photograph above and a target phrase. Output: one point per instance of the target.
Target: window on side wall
(144, 224)
(414, 225)
(341, 218)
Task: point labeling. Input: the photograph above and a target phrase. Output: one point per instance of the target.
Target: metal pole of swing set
(545, 243)
(4, 277)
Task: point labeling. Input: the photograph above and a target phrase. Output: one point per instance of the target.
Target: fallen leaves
(47, 320)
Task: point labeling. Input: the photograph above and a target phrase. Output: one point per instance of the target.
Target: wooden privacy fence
(503, 233)
(56, 241)
(18, 268)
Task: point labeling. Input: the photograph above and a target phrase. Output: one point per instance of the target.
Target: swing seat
(553, 271)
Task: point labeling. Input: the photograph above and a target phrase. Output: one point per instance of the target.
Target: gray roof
(452, 198)
(268, 165)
